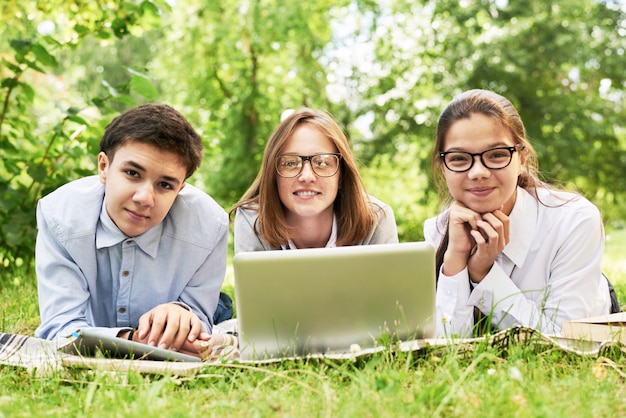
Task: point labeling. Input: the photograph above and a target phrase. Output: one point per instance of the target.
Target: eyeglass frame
(308, 158)
(512, 150)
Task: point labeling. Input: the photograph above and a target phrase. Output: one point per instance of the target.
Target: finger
(493, 241)
(196, 328)
(196, 351)
(198, 348)
(144, 325)
(182, 333)
(487, 231)
(461, 215)
(216, 345)
(159, 321)
(479, 239)
(462, 221)
(496, 223)
(483, 228)
(504, 219)
(170, 329)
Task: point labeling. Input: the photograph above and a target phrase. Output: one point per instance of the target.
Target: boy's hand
(204, 349)
(169, 326)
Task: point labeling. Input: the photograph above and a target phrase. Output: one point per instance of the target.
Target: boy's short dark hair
(159, 125)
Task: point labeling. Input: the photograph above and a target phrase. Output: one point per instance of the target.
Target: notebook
(328, 300)
(89, 342)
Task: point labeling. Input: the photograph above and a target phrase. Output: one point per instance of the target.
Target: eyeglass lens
(324, 165)
(493, 158)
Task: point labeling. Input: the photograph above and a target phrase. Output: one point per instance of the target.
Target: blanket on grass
(43, 357)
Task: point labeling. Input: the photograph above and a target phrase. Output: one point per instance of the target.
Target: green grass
(615, 258)
(486, 382)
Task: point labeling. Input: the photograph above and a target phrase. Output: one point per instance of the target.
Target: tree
(43, 142)
(244, 63)
(383, 69)
(560, 63)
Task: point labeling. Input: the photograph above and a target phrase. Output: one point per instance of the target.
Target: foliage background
(384, 69)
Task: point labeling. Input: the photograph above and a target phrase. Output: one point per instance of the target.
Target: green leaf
(126, 99)
(112, 91)
(34, 66)
(28, 91)
(141, 85)
(16, 69)
(149, 7)
(81, 29)
(58, 129)
(37, 173)
(43, 56)
(9, 82)
(102, 34)
(77, 119)
(120, 28)
(20, 45)
(98, 102)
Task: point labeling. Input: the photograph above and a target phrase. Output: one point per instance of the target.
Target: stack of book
(598, 328)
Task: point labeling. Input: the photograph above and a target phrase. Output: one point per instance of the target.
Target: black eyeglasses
(493, 159)
(324, 165)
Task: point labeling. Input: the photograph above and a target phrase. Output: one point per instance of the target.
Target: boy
(134, 247)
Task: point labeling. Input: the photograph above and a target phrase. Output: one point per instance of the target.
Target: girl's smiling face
(308, 195)
(481, 189)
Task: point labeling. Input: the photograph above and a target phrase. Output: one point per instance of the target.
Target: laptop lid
(323, 300)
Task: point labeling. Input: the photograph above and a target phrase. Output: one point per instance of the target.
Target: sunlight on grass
(433, 383)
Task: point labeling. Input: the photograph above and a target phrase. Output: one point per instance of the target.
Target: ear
(103, 167)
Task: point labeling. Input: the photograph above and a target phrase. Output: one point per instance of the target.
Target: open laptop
(325, 300)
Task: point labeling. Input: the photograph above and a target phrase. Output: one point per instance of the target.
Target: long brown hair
(355, 216)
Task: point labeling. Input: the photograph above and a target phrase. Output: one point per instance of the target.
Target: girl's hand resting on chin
(475, 240)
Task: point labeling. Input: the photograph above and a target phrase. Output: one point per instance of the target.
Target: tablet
(89, 342)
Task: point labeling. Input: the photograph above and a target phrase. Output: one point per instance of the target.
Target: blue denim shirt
(91, 275)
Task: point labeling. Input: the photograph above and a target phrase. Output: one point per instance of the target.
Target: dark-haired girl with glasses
(511, 250)
(308, 192)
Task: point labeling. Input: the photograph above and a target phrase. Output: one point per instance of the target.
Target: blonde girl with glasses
(511, 250)
(308, 192)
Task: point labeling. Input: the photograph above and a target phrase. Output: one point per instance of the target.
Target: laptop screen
(323, 300)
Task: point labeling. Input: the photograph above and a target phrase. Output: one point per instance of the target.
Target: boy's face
(141, 183)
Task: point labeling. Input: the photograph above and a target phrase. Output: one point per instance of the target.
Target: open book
(598, 328)
(88, 348)
(44, 357)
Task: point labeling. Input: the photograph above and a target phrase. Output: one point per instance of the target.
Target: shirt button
(122, 310)
(125, 273)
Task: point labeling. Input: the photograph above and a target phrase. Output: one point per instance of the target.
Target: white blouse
(550, 271)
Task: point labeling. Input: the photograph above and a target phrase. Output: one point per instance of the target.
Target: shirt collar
(522, 221)
(109, 235)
